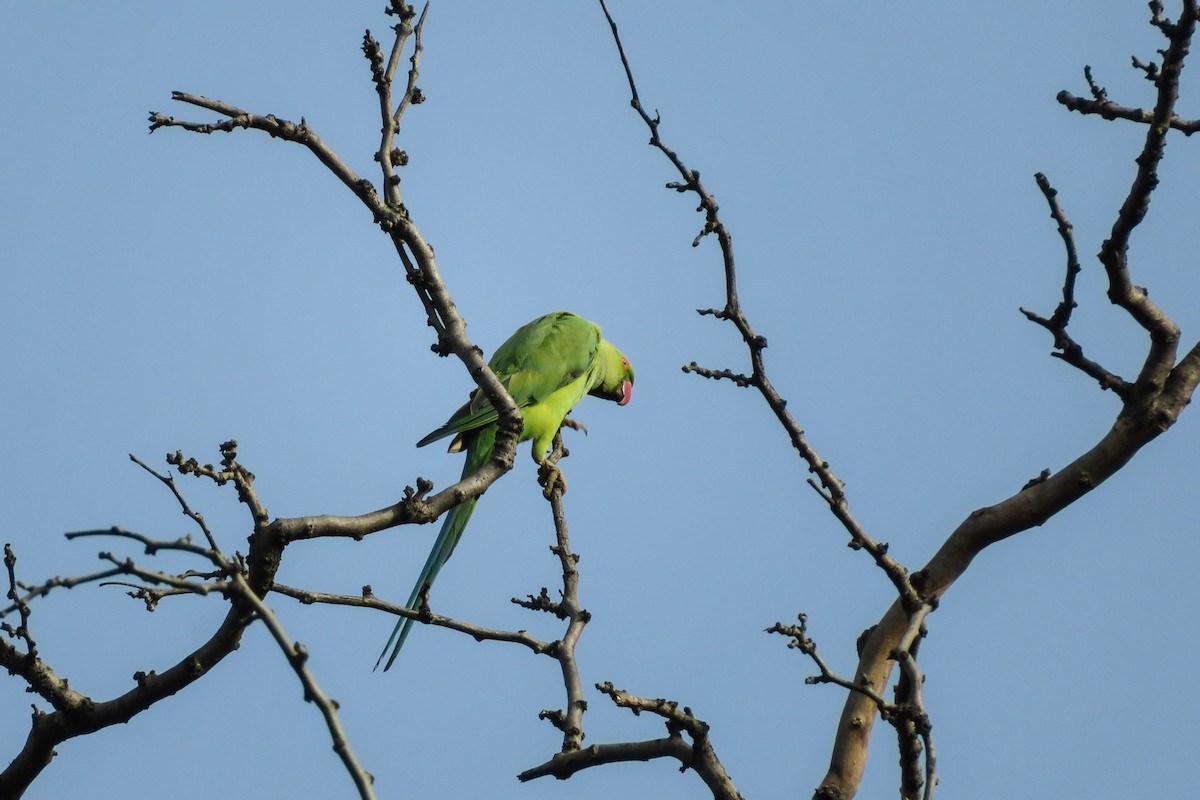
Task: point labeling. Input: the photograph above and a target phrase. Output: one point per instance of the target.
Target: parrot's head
(617, 381)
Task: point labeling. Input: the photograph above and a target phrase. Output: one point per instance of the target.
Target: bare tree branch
(58, 582)
(564, 765)
(698, 756)
(800, 640)
(296, 655)
(76, 714)
(831, 487)
(1110, 111)
(1152, 406)
(907, 714)
(827, 485)
(20, 604)
(1068, 349)
(368, 600)
(389, 212)
(150, 546)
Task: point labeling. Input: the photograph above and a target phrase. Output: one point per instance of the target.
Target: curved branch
(831, 487)
(1026, 509)
(1068, 349)
(1164, 333)
(76, 714)
(703, 758)
(698, 756)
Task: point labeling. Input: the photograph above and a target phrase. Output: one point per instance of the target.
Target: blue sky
(172, 291)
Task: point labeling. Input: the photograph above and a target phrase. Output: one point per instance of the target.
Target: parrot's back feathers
(541, 358)
(547, 366)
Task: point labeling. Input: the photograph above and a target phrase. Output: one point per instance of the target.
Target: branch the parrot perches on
(547, 366)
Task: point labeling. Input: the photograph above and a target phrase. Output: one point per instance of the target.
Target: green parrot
(547, 366)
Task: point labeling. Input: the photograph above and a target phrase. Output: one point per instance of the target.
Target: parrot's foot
(550, 477)
(574, 425)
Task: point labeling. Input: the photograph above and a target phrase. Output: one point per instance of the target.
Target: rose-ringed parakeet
(547, 366)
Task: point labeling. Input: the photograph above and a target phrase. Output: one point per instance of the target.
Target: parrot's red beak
(626, 392)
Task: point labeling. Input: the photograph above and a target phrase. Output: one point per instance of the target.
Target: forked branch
(388, 210)
(1151, 406)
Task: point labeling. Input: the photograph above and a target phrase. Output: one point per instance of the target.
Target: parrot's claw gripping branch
(551, 479)
(574, 425)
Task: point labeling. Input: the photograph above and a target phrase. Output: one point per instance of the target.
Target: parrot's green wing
(539, 359)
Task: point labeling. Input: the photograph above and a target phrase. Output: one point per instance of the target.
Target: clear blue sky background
(875, 167)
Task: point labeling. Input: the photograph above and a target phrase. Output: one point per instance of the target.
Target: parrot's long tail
(452, 529)
(478, 452)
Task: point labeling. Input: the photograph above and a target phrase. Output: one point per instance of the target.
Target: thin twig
(43, 589)
(1110, 111)
(368, 600)
(22, 631)
(297, 657)
(1068, 349)
(231, 471)
(183, 544)
(907, 714)
(800, 640)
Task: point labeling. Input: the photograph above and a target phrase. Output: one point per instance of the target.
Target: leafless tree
(1151, 402)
